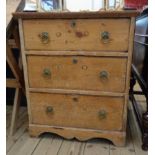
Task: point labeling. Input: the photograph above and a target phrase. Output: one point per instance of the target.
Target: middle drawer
(77, 72)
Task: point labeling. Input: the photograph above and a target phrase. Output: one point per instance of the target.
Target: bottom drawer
(78, 111)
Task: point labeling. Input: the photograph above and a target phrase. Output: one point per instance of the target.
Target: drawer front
(92, 112)
(77, 72)
(83, 34)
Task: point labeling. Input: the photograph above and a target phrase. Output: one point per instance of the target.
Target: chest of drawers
(77, 69)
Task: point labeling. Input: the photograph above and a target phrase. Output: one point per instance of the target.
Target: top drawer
(80, 34)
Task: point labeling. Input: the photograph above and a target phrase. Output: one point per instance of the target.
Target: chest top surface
(70, 15)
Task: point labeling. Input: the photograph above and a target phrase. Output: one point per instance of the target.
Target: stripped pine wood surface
(50, 144)
(88, 69)
(85, 35)
(78, 42)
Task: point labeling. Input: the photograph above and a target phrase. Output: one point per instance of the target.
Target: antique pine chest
(77, 72)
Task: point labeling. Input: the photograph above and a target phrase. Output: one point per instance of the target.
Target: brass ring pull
(104, 75)
(105, 37)
(102, 114)
(49, 109)
(44, 37)
(47, 73)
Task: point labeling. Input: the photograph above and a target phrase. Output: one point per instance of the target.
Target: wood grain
(72, 91)
(118, 138)
(80, 53)
(81, 75)
(53, 144)
(74, 15)
(24, 65)
(84, 35)
(12, 83)
(15, 111)
(77, 111)
(130, 51)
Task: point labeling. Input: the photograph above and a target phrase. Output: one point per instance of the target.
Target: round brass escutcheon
(75, 61)
(49, 109)
(47, 73)
(104, 75)
(75, 99)
(102, 114)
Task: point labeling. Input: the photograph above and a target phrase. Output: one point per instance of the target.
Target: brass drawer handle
(49, 109)
(44, 37)
(102, 114)
(104, 75)
(105, 37)
(46, 73)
